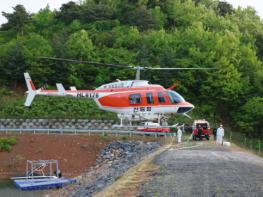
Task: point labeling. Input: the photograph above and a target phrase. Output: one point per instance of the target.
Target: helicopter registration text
(88, 95)
(142, 109)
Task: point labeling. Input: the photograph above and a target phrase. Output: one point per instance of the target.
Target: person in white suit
(219, 135)
(179, 134)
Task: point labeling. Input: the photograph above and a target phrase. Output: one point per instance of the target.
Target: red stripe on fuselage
(32, 85)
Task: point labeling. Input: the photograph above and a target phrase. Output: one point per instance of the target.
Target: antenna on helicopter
(125, 66)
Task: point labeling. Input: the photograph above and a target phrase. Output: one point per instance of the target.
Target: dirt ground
(75, 153)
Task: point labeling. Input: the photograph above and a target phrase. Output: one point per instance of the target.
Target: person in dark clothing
(58, 174)
(200, 132)
(214, 133)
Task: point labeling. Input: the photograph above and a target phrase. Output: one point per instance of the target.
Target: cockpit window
(175, 97)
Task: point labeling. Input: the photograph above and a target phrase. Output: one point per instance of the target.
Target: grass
(254, 145)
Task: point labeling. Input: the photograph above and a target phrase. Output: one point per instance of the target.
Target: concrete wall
(56, 123)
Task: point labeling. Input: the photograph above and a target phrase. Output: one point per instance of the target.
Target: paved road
(206, 171)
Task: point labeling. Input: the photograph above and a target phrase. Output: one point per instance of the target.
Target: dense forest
(155, 33)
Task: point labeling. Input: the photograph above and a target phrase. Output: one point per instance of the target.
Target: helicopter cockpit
(175, 97)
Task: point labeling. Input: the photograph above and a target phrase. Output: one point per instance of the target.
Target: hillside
(167, 33)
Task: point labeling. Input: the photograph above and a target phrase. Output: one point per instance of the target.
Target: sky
(33, 6)
(256, 4)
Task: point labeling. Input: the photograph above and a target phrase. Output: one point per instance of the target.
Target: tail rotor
(31, 93)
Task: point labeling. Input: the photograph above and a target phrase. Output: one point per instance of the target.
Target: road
(206, 170)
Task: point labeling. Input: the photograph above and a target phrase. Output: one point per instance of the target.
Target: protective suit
(219, 135)
(179, 135)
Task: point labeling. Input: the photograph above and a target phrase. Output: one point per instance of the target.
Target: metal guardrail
(86, 131)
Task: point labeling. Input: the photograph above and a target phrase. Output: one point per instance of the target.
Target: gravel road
(206, 171)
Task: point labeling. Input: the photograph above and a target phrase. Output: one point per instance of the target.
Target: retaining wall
(56, 124)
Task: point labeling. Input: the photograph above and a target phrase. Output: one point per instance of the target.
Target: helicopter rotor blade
(86, 62)
(125, 66)
(180, 68)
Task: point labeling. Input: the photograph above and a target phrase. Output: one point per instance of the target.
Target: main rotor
(138, 68)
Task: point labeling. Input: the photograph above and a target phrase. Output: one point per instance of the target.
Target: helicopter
(132, 100)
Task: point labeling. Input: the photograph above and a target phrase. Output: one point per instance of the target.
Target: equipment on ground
(153, 127)
(40, 175)
(201, 129)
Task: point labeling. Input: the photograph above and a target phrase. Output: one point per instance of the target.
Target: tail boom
(32, 92)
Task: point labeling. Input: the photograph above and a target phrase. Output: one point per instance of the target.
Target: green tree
(35, 46)
(224, 8)
(183, 13)
(43, 22)
(68, 12)
(17, 19)
(79, 46)
(13, 62)
(249, 118)
(95, 12)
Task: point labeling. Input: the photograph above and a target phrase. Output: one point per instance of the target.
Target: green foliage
(124, 138)
(250, 117)
(13, 62)
(224, 8)
(68, 12)
(79, 45)
(43, 21)
(170, 33)
(17, 19)
(50, 107)
(104, 136)
(7, 143)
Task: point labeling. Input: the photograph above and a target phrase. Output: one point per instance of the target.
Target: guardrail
(85, 131)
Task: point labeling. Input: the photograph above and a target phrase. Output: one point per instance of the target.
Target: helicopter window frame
(149, 98)
(175, 97)
(135, 99)
(161, 97)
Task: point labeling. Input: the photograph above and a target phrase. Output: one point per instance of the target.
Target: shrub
(124, 138)
(7, 143)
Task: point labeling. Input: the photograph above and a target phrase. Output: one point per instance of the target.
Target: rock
(113, 160)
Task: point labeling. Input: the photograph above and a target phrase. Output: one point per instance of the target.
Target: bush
(51, 107)
(7, 143)
(104, 136)
(124, 138)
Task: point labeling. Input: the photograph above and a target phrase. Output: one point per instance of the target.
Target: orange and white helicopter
(132, 100)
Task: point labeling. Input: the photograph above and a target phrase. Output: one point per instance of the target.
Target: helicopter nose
(185, 107)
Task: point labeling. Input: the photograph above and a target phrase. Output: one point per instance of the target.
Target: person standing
(219, 135)
(214, 133)
(200, 132)
(179, 134)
